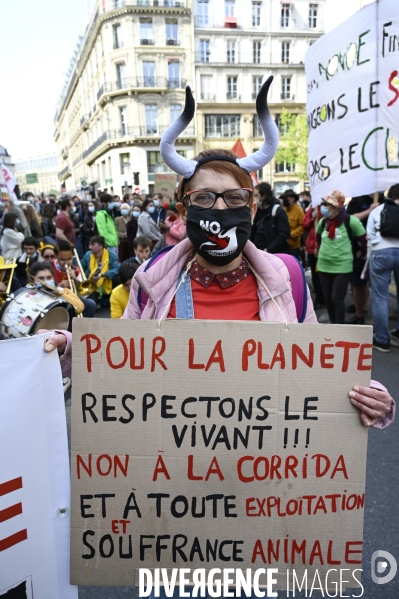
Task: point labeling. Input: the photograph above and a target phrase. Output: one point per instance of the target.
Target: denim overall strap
(184, 298)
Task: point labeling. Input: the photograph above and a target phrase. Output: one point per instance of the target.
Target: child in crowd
(30, 255)
(62, 267)
(42, 273)
(120, 295)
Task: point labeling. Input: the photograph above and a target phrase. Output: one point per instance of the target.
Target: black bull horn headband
(186, 168)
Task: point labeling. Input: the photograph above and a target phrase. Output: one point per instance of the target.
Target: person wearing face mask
(89, 225)
(146, 224)
(105, 223)
(295, 217)
(30, 255)
(159, 213)
(336, 235)
(41, 273)
(121, 227)
(271, 230)
(64, 226)
(174, 226)
(131, 228)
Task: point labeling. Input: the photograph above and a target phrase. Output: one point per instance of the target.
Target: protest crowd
(340, 244)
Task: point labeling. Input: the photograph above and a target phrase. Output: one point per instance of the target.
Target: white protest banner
(34, 474)
(353, 104)
(10, 182)
(208, 444)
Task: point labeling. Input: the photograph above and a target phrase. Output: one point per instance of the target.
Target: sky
(37, 41)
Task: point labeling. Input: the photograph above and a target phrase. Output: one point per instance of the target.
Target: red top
(229, 296)
(64, 223)
(61, 275)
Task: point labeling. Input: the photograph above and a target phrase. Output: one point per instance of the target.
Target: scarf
(333, 223)
(103, 282)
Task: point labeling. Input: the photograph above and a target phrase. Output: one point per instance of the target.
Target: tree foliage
(293, 146)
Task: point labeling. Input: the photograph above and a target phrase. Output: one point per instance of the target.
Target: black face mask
(219, 236)
(286, 202)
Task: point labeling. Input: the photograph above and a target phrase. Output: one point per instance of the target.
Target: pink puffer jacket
(160, 281)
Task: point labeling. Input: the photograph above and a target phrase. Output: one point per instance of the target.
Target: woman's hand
(373, 404)
(58, 340)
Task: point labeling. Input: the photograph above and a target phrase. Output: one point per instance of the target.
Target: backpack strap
(274, 210)
(298, 284)
(142, 297)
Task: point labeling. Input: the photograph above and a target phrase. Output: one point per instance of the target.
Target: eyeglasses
(233, 198)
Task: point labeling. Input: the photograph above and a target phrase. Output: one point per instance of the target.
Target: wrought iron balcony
(65, 171)
(208, 96)
(233, 96)
(176, 83)
(147, 42)
(172, 42)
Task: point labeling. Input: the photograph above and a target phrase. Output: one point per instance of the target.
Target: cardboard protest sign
(353, 104)
(216, 444)
(165, 184)
(34, 474)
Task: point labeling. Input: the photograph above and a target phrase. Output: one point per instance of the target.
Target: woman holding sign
(217, 273)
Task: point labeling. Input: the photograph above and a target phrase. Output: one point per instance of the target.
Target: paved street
(382, 492)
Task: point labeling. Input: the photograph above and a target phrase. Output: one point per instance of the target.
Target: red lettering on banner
(330, 560)
(191, 351)
(258, 551)
(190, 467)
(347, 346)
(14, 539)
(363, 356)
(156, 354)
(133, 364)
(214, 468)
(216, 357)
(261, 365)
(125, 352)
(278, 356)
(248, 349)
(349, 551)
(89, 349)
(160, 468)
(298, 353)
(324, 356)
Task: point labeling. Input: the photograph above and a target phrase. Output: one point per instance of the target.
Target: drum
(29, 309)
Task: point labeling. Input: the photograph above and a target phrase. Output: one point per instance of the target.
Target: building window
(285, 52)
(231, 51)
(151, 119)
(125, 163)
(117, 35)
(174, 111)
(256, 128)
(285, 15)
(217, 125)
(171, 32)
(256, 13)
(256, 85)
(313, 16)
(174, 74)
(256, 52)
(232, 88)
(285, 88)
(207, 91)
(155, 163)
(229, 8)
(146, 31)
(284, 167)
(123, 119)
(149, 74)
(203, 17)
(204, 51)
(120, 75)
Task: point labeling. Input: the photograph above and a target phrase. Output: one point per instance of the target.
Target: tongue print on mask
(221, 243)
